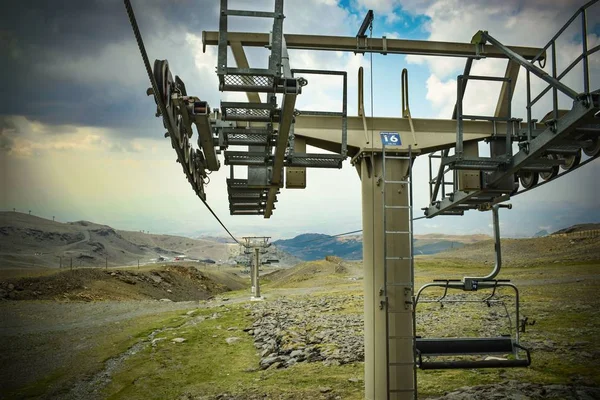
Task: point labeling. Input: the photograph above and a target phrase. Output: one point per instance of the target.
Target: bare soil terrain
(528, 252)
(173, 282)
(105, 333)
(28, 241)
(63, 326)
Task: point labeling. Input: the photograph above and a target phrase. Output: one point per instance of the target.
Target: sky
(79, 140)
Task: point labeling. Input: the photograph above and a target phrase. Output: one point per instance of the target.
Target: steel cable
(159, 101)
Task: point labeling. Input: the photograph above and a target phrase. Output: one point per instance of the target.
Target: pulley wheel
(549, 175)
(164, 80)
(182, 136)
(571, 161)
(191, 161)
(594, 149)
(180, 85)
(515, 185)
(528, 179)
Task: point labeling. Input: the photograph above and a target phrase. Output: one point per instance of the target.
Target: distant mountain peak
(316, 246)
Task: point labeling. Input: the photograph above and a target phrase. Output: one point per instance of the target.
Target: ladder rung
(396, 206)
(397, 231)
(398, 258)
(407, 182)
(397, 158)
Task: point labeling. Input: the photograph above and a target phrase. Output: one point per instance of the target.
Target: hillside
(314, 246)
(284, 259)
(30, 241)
(578, 228)
(173, 282)
(527, 252)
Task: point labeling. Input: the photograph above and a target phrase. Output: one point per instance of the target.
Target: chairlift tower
(255, 246)
(274, 137)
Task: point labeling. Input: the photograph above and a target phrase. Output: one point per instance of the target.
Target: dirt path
(24, 317)
(37, 339)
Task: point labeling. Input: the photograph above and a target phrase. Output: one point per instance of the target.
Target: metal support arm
(497, 247)
(482, 36)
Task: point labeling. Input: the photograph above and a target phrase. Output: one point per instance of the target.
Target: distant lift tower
(272, 140)
(255, 246)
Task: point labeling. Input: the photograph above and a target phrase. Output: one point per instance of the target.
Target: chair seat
(466, 347)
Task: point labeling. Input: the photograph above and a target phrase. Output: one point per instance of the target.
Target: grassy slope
(562, 298)
(525, 252)
(108, 341)
(199, 368)
(206, 365)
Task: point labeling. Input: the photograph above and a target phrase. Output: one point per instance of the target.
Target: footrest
(246, 158)
(256, 112)
(466, 163)
(237, 81)
(248, 137)
(246, 212)
(315, 160)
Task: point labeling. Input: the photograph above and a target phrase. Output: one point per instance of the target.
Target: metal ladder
(250, 79)
(248, 196)
(395, 261)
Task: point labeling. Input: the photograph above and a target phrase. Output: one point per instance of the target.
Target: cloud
(510, 22)
(78, 99)
(24, 138)
(67, 68)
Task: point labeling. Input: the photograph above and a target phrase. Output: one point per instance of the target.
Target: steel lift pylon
(254, 246)
(275, 138)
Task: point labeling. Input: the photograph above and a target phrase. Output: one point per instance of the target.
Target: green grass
(110, 341)
(566, 314)
(205, 364)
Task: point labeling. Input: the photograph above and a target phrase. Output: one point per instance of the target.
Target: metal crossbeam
(376, 45)
(516, 57)
(431, 134)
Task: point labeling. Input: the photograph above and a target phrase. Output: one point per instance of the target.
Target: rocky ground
(513, 390)
(328, 330)
(303, 341)
(171, 282)
(307, 330)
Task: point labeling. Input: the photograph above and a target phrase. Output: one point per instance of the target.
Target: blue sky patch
(406, 25)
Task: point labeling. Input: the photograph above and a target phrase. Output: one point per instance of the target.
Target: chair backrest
(464, 346)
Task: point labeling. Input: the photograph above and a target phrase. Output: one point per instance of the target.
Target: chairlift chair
(437, 350)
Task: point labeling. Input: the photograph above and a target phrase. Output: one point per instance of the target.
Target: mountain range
(30, 241)
(315, 246)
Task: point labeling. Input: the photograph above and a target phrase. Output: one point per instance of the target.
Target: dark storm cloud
(76, 62)
(6, 141)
